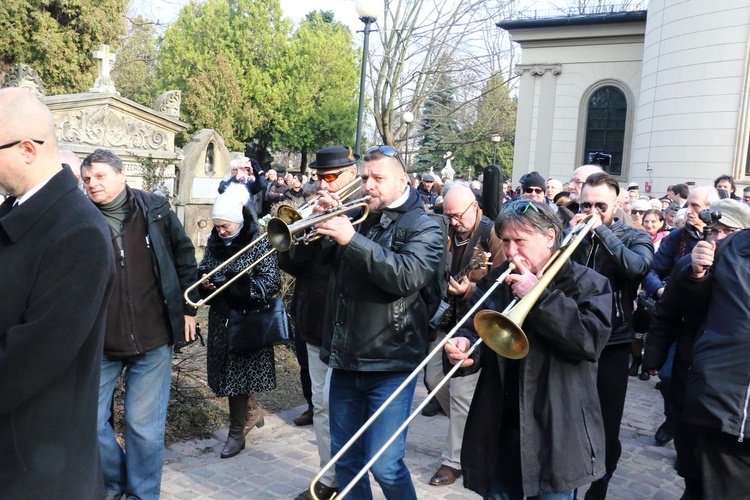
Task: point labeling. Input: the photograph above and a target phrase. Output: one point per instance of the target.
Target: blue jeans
(354, 396)
(136, 473)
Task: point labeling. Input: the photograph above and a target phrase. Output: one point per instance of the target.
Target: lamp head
(408, 117)
(368, 9)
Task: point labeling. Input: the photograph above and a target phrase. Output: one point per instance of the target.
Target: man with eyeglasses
(336, 167)
(57, 274)
(677, 322)
(376, 327)
(622, 254)
(533, 187)
(471, 235)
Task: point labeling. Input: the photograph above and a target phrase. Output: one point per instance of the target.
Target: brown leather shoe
(445, 475)
(305, 419)
(322, 491)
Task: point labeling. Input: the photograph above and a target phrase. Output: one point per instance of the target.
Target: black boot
(598, 490)
(237, 416)
(634, 365)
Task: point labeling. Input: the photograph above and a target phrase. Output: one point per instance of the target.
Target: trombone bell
(501, 334)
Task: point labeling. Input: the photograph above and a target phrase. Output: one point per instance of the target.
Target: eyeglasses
(577, 182)
(15, 143)
(521, 207)
(533, 190)
(457, 217)
(388, 151)
(601, 206)
(331, 176)
(637, 212)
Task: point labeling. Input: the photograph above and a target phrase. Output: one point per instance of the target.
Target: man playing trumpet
(534, 428)
(375, 327)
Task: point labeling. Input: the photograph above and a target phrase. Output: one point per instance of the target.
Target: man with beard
(622, 254)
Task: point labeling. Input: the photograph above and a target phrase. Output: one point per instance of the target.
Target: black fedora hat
(334, 157)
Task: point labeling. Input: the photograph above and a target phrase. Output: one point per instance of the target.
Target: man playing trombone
(534, 428)
(375, 331)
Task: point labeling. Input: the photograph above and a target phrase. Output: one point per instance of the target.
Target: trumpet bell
(501, 334)
(289, 214)
(279, 234)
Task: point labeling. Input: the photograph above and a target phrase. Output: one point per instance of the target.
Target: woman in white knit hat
(237, 376)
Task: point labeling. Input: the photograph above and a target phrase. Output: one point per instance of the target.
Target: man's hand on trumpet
(326, 201)
(456, 350)
(339, 229)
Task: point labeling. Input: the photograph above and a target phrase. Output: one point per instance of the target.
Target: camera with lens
(709, 217)
(599, 158)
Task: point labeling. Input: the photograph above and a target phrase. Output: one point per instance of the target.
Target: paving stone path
(280, 458)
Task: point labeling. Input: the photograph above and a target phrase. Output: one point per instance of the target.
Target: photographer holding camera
(677, 321)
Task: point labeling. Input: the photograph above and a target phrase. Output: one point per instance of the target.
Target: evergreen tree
(57, 38)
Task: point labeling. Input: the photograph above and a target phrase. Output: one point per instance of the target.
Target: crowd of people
(96, 295)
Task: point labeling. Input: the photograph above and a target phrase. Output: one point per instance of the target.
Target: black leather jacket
(623, 254)
(376, 319)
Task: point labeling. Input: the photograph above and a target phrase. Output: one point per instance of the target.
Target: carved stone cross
(103, 81)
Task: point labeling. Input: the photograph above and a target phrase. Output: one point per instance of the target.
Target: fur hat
(533, 179)
(228, 205)
(734, 214)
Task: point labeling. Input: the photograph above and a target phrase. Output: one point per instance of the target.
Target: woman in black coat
(237, 376)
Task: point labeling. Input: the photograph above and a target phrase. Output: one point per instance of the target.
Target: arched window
(605, 127)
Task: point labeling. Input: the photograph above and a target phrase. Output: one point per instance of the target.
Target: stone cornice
(537, 69)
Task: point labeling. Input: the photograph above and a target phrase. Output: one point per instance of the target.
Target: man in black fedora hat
(336, 167)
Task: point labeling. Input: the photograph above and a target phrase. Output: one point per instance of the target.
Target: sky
(166, 11)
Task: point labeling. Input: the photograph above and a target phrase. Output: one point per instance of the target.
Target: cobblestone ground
(280, 458)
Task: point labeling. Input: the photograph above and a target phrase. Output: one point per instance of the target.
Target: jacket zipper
(741, 437)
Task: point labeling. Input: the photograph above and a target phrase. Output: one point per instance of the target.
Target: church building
(665, 92)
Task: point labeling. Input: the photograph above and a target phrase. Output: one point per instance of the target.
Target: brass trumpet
(285, 213)
(500, 331)
(283, 235)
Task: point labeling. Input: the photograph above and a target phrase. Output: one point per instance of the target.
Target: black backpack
(435, 292)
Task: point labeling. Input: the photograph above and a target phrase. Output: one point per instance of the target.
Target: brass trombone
(283, 235)
(500, 331)
(289, 215)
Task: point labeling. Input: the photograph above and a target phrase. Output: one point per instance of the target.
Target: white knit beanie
(228, 205)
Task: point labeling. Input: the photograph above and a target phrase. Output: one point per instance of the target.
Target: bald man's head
(28, 149)
(575, 185)
(460, 205)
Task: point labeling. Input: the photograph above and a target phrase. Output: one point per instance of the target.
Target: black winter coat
(718, 387)
(561, 429)
(56, 275)
(376, 319)
(623, 254)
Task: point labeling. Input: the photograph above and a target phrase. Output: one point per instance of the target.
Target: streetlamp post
(407, 118)
(368, 12)
(497, 139)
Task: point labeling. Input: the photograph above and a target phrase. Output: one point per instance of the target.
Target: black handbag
(264, 324)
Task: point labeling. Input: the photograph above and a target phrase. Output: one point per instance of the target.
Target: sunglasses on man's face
(535, 190)
(330, 176)
(600, 206)
(637, 212)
